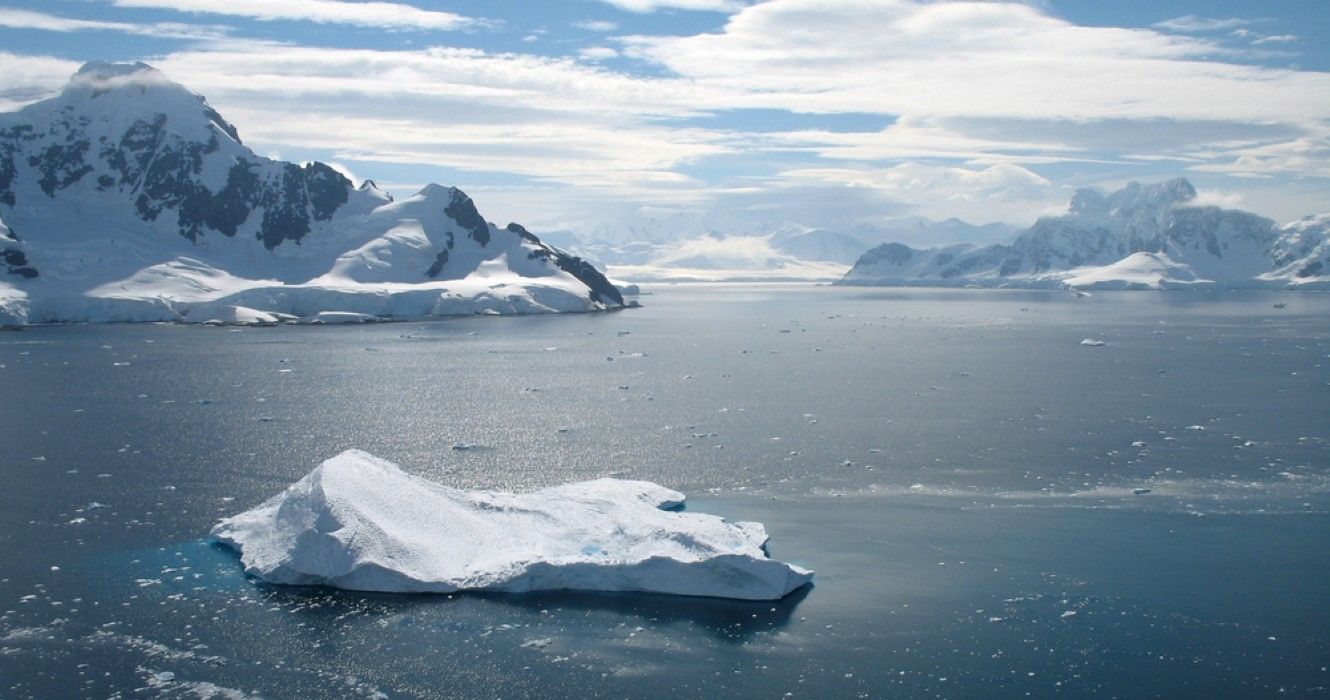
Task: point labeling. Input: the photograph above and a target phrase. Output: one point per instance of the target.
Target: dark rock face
(462, 210)
(602, 290)
(162, 174)
(12, 257)
(437, 266)
(521, 231)
(292, 196)
(17, 263)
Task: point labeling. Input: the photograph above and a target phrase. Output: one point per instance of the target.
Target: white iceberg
(360, 523)
(230, 315)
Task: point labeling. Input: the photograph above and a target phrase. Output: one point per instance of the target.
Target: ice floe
(359, 522)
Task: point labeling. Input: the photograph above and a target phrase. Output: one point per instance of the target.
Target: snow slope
(1142, 236)
(127, 197)
(361, 523)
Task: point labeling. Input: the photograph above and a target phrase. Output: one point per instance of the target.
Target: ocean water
(992, 508)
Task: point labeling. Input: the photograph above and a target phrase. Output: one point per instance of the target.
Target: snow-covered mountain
(794, 254)
(735, 246)
(818, 244)
(1142, 236)
(756, 252)
(127, 197)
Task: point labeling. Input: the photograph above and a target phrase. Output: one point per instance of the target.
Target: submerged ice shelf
(360, 523)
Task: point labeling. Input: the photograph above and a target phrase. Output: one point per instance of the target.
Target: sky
(595, 115)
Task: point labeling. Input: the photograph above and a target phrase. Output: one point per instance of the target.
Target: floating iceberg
(359, 522)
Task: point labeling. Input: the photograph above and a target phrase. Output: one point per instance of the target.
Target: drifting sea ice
(360, 523)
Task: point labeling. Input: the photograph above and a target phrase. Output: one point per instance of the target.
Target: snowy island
(1140, 237)
(128, 198)
(358, 522)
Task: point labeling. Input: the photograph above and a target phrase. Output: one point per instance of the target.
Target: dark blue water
(968, 480)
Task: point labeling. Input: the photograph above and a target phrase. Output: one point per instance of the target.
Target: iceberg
(358, 522)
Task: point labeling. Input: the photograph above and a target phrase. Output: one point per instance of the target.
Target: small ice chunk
(360, 523)
(1092, 343)
(336, 317)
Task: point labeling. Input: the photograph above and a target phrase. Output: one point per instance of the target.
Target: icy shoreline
(358, 522)
(276, 304)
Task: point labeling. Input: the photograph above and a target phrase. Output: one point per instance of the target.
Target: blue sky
(592, 114)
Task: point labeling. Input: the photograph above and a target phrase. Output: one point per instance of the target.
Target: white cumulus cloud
(365, 14)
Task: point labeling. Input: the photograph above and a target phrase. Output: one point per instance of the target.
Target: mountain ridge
(1141, 236)
(124, 173)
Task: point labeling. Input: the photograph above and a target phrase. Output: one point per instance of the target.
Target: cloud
(364, 14)
(980, 98)
(545, 119)
(926, 137)
(29, 78)
(1276, 39)
(344, 170)
(645, 6)
(596, 25)
(736, 252)
(26, 19)
(597, 53)
(1192, 24)
(974, 59)
(1303, 156)
(1002, 191)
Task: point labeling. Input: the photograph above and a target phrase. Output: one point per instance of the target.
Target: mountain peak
(1133, 196)
(444, 193)
(1176, 191)
(96, 78)
(118, 94)
(1088, 201)
(111, 70)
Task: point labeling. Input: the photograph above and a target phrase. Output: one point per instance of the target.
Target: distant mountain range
(127, 197)
(683, 249)
(1140, 237)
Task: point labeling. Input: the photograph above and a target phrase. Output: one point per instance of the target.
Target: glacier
(358, 522)
(1140, 237)
(127, 197)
